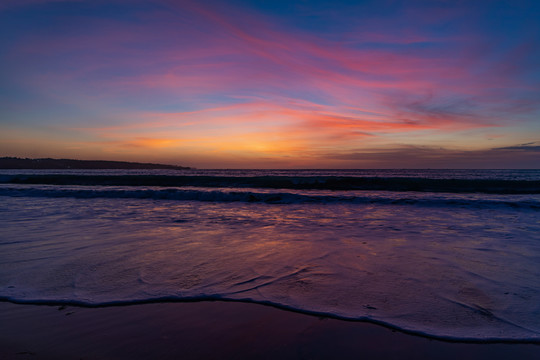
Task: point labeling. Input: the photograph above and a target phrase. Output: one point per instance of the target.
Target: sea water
(446, 253)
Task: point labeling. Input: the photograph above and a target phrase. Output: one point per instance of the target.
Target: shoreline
(218, 329)
(81, 305)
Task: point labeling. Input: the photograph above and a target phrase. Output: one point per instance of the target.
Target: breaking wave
(273, 197)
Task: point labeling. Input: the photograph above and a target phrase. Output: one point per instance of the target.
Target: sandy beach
(216, 330)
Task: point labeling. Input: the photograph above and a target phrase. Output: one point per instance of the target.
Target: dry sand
(216, 330)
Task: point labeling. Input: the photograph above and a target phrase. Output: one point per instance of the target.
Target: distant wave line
(489, 186)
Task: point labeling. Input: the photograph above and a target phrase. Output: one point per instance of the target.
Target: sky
(272, 83)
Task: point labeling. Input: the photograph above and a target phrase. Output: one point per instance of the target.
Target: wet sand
(216, 330)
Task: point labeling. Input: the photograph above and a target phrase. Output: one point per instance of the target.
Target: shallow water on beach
(448, 268)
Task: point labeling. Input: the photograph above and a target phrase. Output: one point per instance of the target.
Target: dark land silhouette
(47, 163)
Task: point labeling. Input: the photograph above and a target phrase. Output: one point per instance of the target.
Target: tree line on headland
(47, 163)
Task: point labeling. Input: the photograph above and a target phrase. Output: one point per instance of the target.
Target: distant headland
(19, 163)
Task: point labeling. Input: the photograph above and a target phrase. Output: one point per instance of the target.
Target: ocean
(452, 254)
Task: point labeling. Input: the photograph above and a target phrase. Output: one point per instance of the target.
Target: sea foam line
(192, 299)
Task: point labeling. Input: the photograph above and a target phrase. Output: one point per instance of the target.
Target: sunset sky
(273, 84)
